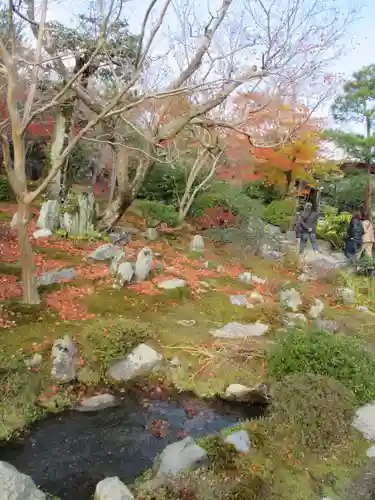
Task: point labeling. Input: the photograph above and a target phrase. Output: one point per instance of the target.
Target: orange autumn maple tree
(283, 144)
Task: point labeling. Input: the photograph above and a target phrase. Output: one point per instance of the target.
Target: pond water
(69, 453)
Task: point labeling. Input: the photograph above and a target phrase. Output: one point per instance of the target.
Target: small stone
(111, 488)
(139, 362)
(240, 440)
(49, 215)
(197, 244)
(327, 325)
(180, 456)
(17, 486)
(316, 309)
(364, 421)
(256, 296)
(240, 300)
(34, 361)
(294, 319)
(125, 274)
(152, 234)
(172, 284)
(63, 360)
(258, 394)
(371, 452)
(245, 277)
(240, 331)
(105, 252)
(256, 279)
(290, 299)
(347, 295)
(42, 233)
(96, 403)
(52, 277)
(237, 391)
(118, 259)
(143, 264)
(187, 322)
(363, 309)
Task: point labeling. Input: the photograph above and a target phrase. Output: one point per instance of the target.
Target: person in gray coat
(309, 218)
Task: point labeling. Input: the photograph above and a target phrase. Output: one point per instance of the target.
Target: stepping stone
(52, 277)
(172, 284)
(95, 403)
(240, 331)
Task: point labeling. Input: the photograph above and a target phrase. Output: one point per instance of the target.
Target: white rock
(256, 279)
(143, 264)
(197, 244)
(294, 319)
(172, 284)
(371, 452)
(364, 421)
(347, 295)
(125, 274)
(290, 299)
(245, 277)
(118, 259)
(180, 456)
(316, 309)
(111, 488)
(152, 233)
(240, 331)
(63, 360)
(49, 215)
(98, 402)
(34, 361)
(241, 393)
(240, 440)
(140, 361)
(256, 296)
(364, 309)
(240, 300)
(237, 391)
(42, 233)
(17, 486)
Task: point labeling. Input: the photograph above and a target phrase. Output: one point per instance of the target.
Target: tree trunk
(115, 211)
(29, 283)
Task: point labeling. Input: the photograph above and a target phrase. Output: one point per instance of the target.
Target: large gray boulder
(180, 456)
(80, 213)
(49, 215)
(63, 358)
(364, 421)
(118, 259)
(111, 488)
(143, 264)
(316, 309)
(52, 277)
(125, 274)
(197, 244)
(290, 299)
(240, 331)
(17, 486)
(105, 252)
(139, 362)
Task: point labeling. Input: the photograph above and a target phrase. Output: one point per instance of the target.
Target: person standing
(308, 222)
(355, 234)
(368, 237)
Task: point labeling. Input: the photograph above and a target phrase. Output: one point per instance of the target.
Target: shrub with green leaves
(6, 193)
(109, 340)
(280, 213)
(333, 227)
(260, 191)
(341, 358)
(312, 410)
(165, 183)
(155, 213)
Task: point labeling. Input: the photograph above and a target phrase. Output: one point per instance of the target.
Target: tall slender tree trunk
(30, 288)
(369, 182)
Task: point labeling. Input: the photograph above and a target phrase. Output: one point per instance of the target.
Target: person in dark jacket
(308, 222)
(355, 234)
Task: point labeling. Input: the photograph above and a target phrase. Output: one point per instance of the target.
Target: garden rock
(347, 295)
(95, 403)
(180, 456)
(240, 440)
(111, 488)
(80, 212)
(294, 319)
(240, 331)
(256, 279)
(118, 259)
(257, 297)
(42, 233)
(105, 252)
(49, 215)
(125, 274)
(245, 277)
(172, 284)
(290, 299)
(243, 394)
(120, 238)
(240, 300)
(52, 277)
(34, 361)
(267, 252)
(364, 421)
(152, 234)
(327, 325)
(140, 361)
(273, 230)
(316, 309)
(17, 486)
(363, 309)
(371, 452)
(197, 244)
(143, 264)
(63, 360)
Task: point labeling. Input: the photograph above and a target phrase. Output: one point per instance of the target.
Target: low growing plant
(280, 213)
(333, 227)
(155, 213)
(341, 358)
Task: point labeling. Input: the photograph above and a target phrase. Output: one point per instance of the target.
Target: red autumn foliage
(216, 217)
